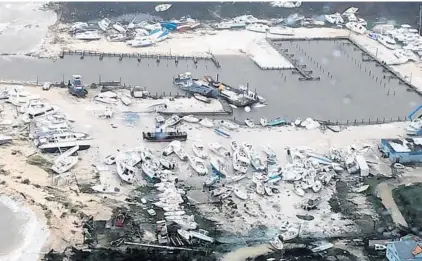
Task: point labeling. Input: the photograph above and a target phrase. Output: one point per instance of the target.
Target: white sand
(273, 209)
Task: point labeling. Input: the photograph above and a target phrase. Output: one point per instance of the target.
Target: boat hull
(164, 137)
(57, 148)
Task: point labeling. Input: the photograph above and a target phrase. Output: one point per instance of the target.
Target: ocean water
(23, 26)
(22, 234)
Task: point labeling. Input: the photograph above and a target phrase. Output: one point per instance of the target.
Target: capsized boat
(199, 150)
(218, 149)
(198, 165)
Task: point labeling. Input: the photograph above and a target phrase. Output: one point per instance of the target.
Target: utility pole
(420, 19)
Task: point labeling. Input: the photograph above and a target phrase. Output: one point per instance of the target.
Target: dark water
(405, 12)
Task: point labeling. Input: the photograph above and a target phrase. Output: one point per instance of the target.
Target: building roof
(405, 248)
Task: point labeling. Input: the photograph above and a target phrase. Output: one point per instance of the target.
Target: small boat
(219, 167)
(101, 188)
(259, 28)
(277, 122)
(298, 190)
(199, 150)
(269, 151)
(264, 121)
(361, 189)
(322, 247)
(170, 148)
(87, 36)
(387, 41)
(201, 98)
(65, 164)
(249, 123)
(165, 136)
(56, 145)
(240, 193)
(125, 172)
(151, 212)
(202, 235)
(150, 168)
(290, 234)
(277, 244)
(218, 149)
(104, 24)
(206, 123)
(119, 28)
(281, 30)
(181, 153)
(110, 160)
(222, 132)
(219, 191)
(211, 180)
(167, 164)
(317, 186)
(260, 188)
(256, 162)
(162, 7)
(238, 164)
(173, 120)
(198, 165)
(234, 145)
(225, 194)
(190, 118)
(356, 27)
(235, 178)
(268, 191)
(228, 124)
(142, 42)
(5, 139)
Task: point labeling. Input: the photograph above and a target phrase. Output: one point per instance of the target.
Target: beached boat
(199, 150)
(119, 28)
(219, 167)
(219, 191)
(211, 180)
(5, 139)
(286, 4)
(162, 7)
(277, 244)
(228, 124)
(281, 30)
(87, 35)
(238, 164)
(173, 120)
(222, 132)
(65, 164)
(218, 149)
(269, 151)
(190, 118)
(290, 234)
(206, 123)
(150, 168)
(249, 123)
(240, 193)
(322, 247)
(151, 212)
(334, 18)
(259, 28)
(356, 27)
(142, 42)
(181, 153)
(167, 164)
(387, 41)
(198, 165)
(125, 172)
(63, 143)
(234, 145)
(184, 234)
(201, 98)
(268, 190)
(260, 188)
(277, 122)
(165, 136)
(317, 186)
(104, 24)
(297, 188)
(264, 122)
(170, 148)
(256, 162)
(225, 194)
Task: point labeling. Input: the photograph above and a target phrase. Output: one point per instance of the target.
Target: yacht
(259, 28)
(62, 141)
(387, 41)
(356, 27)
(35, 108)
(334, 18)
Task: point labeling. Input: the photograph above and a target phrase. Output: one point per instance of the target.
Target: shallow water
(11, 224)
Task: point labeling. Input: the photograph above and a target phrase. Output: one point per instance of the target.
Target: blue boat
(185, 82)
(219, 167)
(277, 122)
(222, 133)
(169, 25)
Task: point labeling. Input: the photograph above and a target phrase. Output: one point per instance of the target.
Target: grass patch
(40, 161)
(409, 202)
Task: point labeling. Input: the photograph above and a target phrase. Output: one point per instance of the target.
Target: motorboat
(167, 164)
(199, 150)
(322, 247)
(356, 27)
(228, 124)
(269, 151)
(225, 194)
(110, 160)
(256, 162)
(87, 35)
(317, 186)
(334, 18)
(202, 235)
(211, 180)
(65, 164)
(165, 136)
(206, 123)
(259, 28)
(387, 41)
(222, 132)
(190, 118)
(63, 142)
(260, 188)
(297, 188)
(219, 191)
(286, 4)
(184, 234)
(173, 120)
(104, 24)
(235, 178)
(150, 168)
(240, 193)
(201, 98)
(5, 139)
(281, 30)
(180, 152)
(234, 145)
(218, 149)
(141, 42)
(198, 165)
(238, 164)
(264, 122)
(162, 7)
(151, 212)
(290, 234)
(268, 190)
(170, 148)
(125, 172)
(219, 167)
(277, 244)
(119, 28)
(249, 123)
